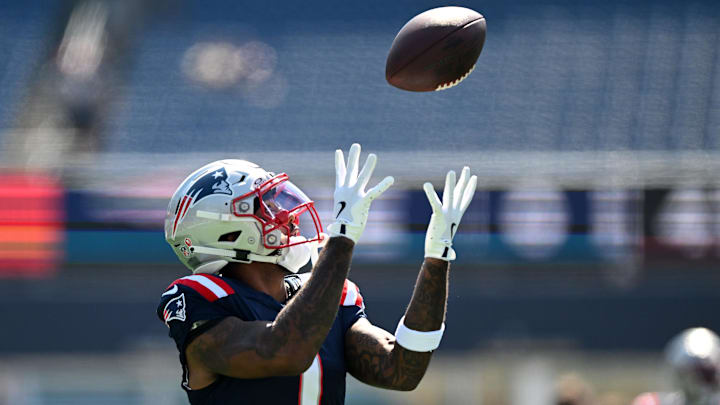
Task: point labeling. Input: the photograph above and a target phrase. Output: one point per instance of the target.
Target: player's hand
(446, 215)
(352, 203)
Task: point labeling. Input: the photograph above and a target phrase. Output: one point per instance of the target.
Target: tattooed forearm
(427, 307)
(307, 319)
(372, 354)
(217, 346)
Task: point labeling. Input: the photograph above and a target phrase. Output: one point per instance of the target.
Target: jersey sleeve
(189, 306)
(352, 305)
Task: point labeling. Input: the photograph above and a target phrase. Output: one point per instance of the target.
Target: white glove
(446, 215)
(352, 203)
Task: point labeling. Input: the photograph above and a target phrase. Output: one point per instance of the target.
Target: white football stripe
(456, 81)
(209, 284)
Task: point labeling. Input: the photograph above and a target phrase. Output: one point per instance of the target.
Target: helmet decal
(212, 182)
(185, 249)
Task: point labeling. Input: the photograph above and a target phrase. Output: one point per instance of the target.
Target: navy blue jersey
(193, 304)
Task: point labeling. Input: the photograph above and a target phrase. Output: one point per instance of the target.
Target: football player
(694, 358)
(250, 330)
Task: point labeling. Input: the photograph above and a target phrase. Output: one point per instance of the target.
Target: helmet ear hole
(230, 236)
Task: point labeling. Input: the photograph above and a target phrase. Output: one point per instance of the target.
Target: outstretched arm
(375, 356)
(288, 345)
(372, 354)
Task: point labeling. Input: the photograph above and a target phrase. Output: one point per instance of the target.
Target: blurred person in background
(571, 389)
(612, 398)
(72, 95)
(694, 358)
(249, 329)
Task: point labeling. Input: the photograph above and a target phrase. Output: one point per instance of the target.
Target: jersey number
(311, 384)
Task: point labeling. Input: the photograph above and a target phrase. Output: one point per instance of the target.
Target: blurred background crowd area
(593, 238)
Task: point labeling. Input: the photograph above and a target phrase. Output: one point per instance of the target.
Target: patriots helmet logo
(212, 182)
(175, 309)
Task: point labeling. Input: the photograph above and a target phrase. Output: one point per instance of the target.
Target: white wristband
(418, 341)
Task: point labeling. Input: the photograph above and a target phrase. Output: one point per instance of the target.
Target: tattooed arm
(286, 346)
(371, 354)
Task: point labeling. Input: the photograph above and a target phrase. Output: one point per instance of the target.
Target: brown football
(436, 49)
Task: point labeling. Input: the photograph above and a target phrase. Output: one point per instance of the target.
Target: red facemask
(281, 205)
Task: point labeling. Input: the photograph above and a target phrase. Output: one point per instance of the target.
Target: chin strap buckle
(242, 256)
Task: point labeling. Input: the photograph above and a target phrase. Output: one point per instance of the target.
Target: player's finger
(380, 188)
(468, 194)
(432, 197)
(449, 190)
(460, 186)
(367, 170)
(339, 168)
(352, 167)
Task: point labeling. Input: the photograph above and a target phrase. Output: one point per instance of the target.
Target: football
(436, 49)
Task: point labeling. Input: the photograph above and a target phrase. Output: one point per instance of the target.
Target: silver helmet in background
(694, 356)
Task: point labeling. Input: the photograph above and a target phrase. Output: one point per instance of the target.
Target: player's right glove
(352, 203)
(446, 216)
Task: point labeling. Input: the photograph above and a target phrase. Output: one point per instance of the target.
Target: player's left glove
(446, 216)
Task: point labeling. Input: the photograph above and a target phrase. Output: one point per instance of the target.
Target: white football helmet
(234, 211)
(694, 356)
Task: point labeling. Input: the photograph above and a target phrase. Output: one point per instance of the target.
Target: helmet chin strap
(239, 256)
(292, 259)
